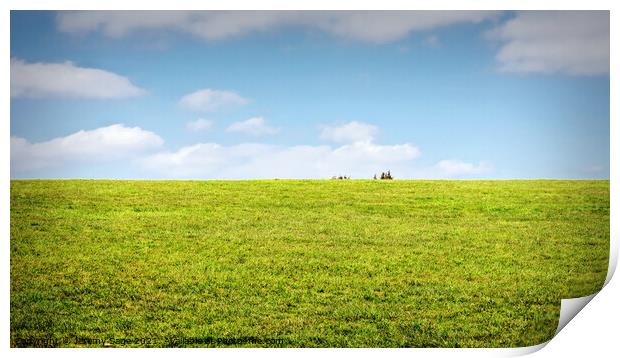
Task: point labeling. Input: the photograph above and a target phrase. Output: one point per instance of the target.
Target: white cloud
(211, 160)
(255, 126)
(209, 100)
(350, 132)
(98, 145)
(68, 80)
(199, 125)
(452, 168)
(573, 42)
(371, 26)
(139, 149)
(386, 26)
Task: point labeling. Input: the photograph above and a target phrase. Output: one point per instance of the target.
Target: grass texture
(301, 263)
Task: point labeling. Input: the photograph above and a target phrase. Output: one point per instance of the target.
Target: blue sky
(242, 95)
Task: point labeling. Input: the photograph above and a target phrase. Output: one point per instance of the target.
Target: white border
(593, 331)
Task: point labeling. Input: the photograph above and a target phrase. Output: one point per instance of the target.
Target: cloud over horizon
(115, 142)
(264, 161)
(118, 144)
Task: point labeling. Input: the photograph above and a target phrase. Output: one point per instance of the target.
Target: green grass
(308, 263)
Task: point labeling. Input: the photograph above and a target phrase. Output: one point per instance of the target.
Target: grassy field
(301, 263)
